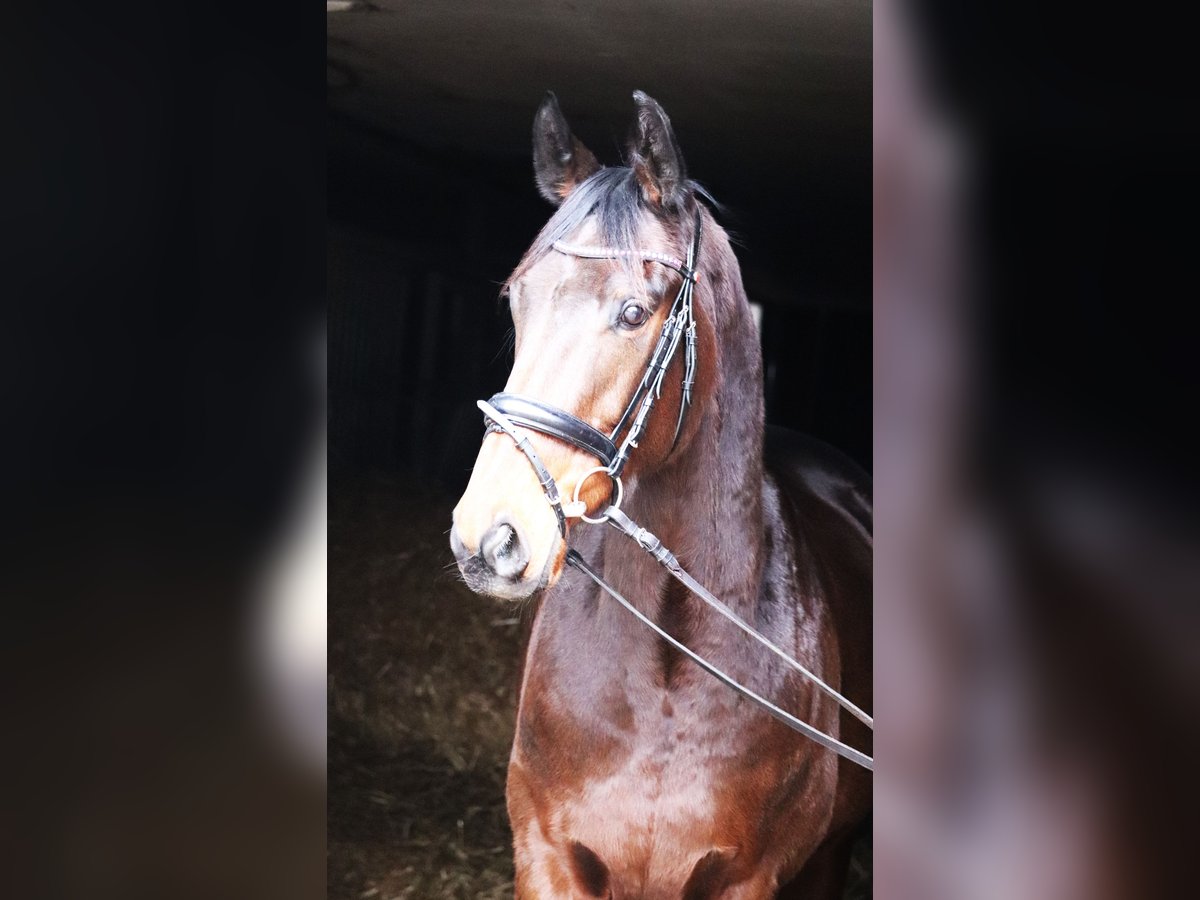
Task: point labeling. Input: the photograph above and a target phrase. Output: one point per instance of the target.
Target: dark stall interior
(431, 202)
(431, 197)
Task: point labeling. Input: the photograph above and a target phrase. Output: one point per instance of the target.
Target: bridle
(507, 413)
(678, 329)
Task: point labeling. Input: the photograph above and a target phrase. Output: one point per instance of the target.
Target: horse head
(586, 329)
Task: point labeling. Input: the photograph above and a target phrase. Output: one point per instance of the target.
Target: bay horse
(633, 773)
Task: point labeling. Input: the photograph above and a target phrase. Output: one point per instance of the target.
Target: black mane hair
(614, 196)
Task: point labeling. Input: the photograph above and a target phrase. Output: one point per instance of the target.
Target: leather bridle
(679, 329)
(508, 413)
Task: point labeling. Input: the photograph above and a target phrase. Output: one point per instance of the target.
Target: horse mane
(614, 196)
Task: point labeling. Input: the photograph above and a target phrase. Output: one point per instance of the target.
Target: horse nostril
(457, 547)
(503, 551)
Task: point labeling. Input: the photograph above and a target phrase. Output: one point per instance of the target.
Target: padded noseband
(557, 423)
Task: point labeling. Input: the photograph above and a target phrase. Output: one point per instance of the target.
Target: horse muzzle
(499, 566)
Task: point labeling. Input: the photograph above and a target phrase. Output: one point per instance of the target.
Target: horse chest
(652, 781)
(611, 756)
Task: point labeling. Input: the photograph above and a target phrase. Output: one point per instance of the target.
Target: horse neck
(706, 502)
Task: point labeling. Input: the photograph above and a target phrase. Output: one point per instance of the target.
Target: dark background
(431, 198)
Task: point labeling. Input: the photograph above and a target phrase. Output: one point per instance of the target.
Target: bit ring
(616, 479)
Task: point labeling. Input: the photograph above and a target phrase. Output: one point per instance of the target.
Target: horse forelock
(612, 198)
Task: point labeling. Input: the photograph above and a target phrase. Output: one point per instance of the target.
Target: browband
(606, 253)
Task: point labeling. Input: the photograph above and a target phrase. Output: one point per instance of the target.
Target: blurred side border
(163, 422)
(1036, 532)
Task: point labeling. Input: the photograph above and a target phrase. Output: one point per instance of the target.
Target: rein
(506, 413)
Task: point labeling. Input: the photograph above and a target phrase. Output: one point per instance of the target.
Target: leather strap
(652, 545)
(607, 253)
(549, 485)
(557, 423)
(814, 734)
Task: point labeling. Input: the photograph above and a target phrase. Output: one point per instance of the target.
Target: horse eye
(633, 315)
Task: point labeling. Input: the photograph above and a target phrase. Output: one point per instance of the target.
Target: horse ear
(654, 155)
(560, 161)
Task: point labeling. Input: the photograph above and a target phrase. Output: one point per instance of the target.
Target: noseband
(507, 413)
